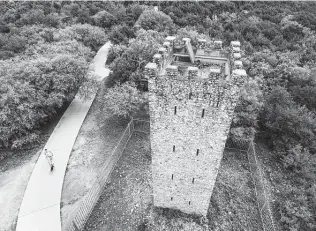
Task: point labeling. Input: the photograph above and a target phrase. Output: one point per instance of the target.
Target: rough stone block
(172, 71)
(238, 64)
(236, 56)
(235, 43)
(193, 72)
(218, 44)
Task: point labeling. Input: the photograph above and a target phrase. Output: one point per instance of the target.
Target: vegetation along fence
(78, 218)
(258, 180)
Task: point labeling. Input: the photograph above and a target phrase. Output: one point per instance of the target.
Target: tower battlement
(192, 95)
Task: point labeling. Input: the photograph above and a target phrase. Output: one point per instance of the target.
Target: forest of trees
(46, 47)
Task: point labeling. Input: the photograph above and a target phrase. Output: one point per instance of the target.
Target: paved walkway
(40, 208)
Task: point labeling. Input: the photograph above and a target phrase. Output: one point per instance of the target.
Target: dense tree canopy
(31, 91)
(122, 100)
(45, 49)
(130, 63)
(154, 20)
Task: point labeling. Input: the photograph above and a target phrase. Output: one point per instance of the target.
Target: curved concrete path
(40, 208)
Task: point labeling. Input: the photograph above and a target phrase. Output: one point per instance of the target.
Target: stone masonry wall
(190, 120)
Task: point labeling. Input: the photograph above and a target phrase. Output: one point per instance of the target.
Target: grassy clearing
(233, 203)
(96, 140)
(126, 203)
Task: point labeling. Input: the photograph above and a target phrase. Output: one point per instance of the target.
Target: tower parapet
(218, 45)
(191, 108)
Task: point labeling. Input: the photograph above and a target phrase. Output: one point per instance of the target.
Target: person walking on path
(49, 155)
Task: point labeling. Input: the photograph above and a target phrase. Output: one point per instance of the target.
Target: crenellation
(239, 76)
(164, 54)
(236, 56)
(151, 70)
(158, 60)
(172, 71)
(193, 72)
(169, 49)
(235, 44)
(201, 43)
(214, 75)
(162, 50)
(238, 64)
(171, 40)
(236, 49)
(218, 45)
(191, 107)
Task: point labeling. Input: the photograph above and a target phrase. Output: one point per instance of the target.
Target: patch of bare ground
(15, 170)
(126, 198)
(233, 204)
(126, 202)
(280, 184)
(94, 144)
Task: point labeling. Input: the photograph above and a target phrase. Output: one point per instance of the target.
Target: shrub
(31, 91)
(154, 20)
(122, 100)
(246, 112)
(91, 36)
(296, 215)
(121, 34)
(104, 19)
(286, 122)
(115, 52)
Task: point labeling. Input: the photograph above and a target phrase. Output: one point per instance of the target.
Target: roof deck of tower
(208, 57)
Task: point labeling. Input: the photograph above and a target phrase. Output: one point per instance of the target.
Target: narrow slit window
(189, 202)
(172, 177)
(175, 110)
(203, 112)
(190, 95)
(171, 198)
(193, 181)
(217, 104)
(197, 152)
(174, 148)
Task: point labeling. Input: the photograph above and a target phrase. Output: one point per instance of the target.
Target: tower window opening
(193, 181)
(190, 95)
(197, 152)
(203, 112)
(174, 148)
(189, 202)
(171, 198)
(175, 110)
(172, 177)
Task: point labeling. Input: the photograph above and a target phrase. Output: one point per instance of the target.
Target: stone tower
(192, 95)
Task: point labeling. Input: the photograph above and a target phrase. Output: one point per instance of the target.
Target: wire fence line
(262, 195)
(261, 191)
(78, 217)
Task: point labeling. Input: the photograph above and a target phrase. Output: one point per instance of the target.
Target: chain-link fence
(262, 195)
(263, 200)
(79, 216)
